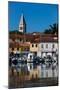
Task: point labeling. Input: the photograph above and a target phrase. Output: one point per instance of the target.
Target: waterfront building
(48, 45)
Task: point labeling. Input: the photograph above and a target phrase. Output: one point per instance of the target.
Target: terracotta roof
(17, 45)
(35, 38)
(48, 38)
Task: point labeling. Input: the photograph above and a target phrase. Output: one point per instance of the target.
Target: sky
(38, 16)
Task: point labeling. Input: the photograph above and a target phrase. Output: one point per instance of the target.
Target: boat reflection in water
(34, 67)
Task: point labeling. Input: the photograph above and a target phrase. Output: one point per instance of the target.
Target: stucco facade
(45, 48)
(33, 47)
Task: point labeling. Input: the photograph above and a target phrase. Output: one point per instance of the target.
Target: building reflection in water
(36, 69)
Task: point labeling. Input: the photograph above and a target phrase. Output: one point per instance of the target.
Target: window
(21, 28)
(17, 48)
(36, 45)
(32, 45)
(41, 45)
(13, 39)
(53, 46)
(46, 45)
(20, 39)
(26, 40)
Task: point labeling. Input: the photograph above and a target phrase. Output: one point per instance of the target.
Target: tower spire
(22, 24)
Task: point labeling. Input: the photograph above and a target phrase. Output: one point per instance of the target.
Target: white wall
(49, 46)
(49, 49)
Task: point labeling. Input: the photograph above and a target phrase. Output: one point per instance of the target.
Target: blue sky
(38, 17)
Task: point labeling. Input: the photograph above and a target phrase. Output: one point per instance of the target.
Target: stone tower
(22, 25)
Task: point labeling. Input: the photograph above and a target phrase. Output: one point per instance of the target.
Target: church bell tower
(22, 25)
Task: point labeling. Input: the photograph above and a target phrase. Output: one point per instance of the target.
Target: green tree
(52, 29)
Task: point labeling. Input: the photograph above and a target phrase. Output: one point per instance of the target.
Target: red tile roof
(17, 45)
(35, 38)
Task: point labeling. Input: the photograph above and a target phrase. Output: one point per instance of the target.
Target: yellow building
(34, 47)
(19, 47)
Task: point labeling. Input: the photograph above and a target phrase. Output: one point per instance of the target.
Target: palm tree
(52, 29)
